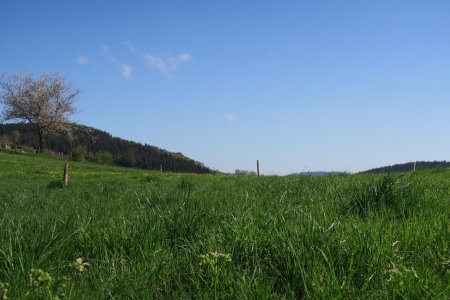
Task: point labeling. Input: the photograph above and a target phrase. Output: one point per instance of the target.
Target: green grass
(144, 235)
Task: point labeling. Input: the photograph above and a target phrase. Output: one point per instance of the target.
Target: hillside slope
(99, 146)
(407, 167)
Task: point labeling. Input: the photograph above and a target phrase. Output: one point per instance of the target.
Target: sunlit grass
(157, 235)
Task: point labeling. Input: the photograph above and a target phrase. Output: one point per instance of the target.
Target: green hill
(408, 167)
(87, 143)
(117, 232)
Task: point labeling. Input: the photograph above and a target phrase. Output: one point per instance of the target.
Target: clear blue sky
(299, 85)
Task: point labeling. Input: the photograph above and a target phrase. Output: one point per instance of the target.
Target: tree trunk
(41, 140)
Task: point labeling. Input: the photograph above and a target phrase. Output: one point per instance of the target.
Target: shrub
(79, 153)
(103, 157)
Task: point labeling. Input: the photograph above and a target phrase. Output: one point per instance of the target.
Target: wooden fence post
(66, 174)
(257, 167)
(414, 167)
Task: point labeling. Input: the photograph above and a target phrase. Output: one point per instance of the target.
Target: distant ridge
(87, 143)
(318, 173)
(407, 167)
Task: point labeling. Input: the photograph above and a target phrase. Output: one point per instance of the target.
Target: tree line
(407, 167)
(87, 143)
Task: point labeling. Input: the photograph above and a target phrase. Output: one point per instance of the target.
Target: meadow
(132, 234)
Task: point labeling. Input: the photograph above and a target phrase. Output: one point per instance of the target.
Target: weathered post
(160, 168)
(414, 167)
(66, 174)
(257, 167)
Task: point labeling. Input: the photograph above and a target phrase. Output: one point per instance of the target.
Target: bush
(79, 153)
(102, 157)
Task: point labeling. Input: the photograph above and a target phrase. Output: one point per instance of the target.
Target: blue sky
(299, 85)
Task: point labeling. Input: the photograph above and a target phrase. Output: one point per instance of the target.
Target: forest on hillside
(87, 143)
(407, 167)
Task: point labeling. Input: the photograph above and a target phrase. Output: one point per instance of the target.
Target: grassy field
(124, 233)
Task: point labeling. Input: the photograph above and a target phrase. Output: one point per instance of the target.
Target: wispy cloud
(105, 49)
(130, 46)
(83, 60)
(166, 65)
(230, 117)
(125, 69)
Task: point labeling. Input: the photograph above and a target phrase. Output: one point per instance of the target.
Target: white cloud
(105, 48)
(125, 69)
(184, 57)
(166, 65)
(230, 117)
(130, 46)
(82, 60)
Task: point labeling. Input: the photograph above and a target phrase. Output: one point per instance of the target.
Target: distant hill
(407, 167)
(87, 143)
(318, 173)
